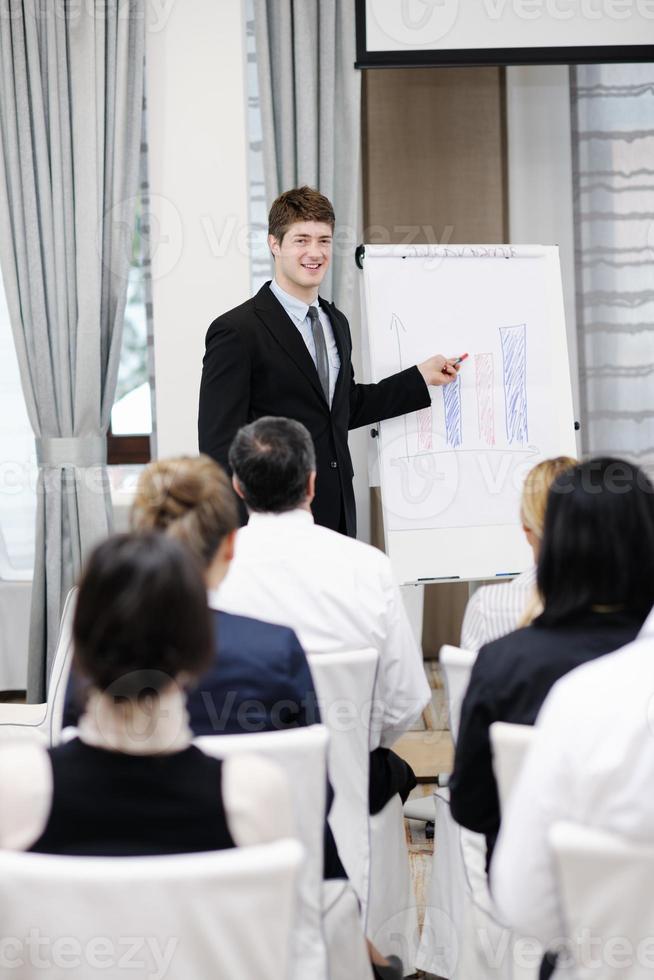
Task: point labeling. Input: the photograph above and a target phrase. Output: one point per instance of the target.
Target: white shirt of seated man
(338, 594)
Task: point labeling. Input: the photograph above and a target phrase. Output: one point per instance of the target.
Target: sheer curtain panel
(613, 139)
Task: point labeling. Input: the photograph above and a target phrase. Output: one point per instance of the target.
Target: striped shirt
(495, 610)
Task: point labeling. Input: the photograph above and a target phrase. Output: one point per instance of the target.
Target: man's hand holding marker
(439, 370)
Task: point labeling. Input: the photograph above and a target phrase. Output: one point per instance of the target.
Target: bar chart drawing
(452, 404)
(484, 378)
(488, 388)
(451, 469)
(514, 358)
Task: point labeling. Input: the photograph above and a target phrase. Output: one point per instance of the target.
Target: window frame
(130, 450)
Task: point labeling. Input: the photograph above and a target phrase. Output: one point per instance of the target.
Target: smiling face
(302, 258)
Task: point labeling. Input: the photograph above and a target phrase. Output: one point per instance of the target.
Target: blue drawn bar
(452, 405)
(514, 356)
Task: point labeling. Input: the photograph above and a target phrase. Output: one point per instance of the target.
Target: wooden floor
(428, 747)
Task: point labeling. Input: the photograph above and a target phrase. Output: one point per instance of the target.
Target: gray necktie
(322, 362)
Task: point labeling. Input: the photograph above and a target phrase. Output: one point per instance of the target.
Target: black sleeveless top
(108, 803)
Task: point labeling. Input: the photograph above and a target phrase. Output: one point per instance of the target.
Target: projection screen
(396, 33)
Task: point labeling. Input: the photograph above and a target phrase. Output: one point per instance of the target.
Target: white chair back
(457, 666)
(345, 683)
(44, 720)
(510, 744)
(222, 914)
(392, 922)
(60, 672)
(15, 601)
(606, 890)
(462, 932)
(15, 598)
(302, 754)
(348, 952)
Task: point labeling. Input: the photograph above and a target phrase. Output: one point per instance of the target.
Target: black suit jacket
(256, 363)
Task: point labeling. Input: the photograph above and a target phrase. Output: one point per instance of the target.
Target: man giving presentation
(287, 351)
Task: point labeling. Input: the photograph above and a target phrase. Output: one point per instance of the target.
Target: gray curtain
(613, 140)
(71, 83)
(146, 269)
(310, 108)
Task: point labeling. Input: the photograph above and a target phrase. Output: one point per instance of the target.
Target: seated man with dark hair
(336, 593)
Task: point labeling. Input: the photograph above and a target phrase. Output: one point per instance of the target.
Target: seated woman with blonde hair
(495, 610)
(259, 679)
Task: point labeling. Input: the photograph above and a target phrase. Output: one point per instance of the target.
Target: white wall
(197, 140)
(540, 176)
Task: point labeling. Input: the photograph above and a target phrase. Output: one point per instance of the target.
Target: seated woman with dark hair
(596, 581)
(258, 678)
(132, 783)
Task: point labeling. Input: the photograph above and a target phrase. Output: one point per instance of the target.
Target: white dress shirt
(592, 763)
(495, 610)
(298, 312)
(255, 792)
(337, 594)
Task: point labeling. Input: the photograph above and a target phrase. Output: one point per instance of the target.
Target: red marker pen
(459, 359)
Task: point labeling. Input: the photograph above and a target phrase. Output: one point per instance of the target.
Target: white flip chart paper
(451, 474)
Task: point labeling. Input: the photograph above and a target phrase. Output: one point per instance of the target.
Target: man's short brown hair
(299, 204)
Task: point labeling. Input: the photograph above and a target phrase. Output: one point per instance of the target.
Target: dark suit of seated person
(596, 580)
(132, 783)
(259, 681)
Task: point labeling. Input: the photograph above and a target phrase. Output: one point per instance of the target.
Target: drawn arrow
(399, 328)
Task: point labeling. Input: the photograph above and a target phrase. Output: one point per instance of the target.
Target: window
(18, 471)
(132, 411)
(128, 440)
